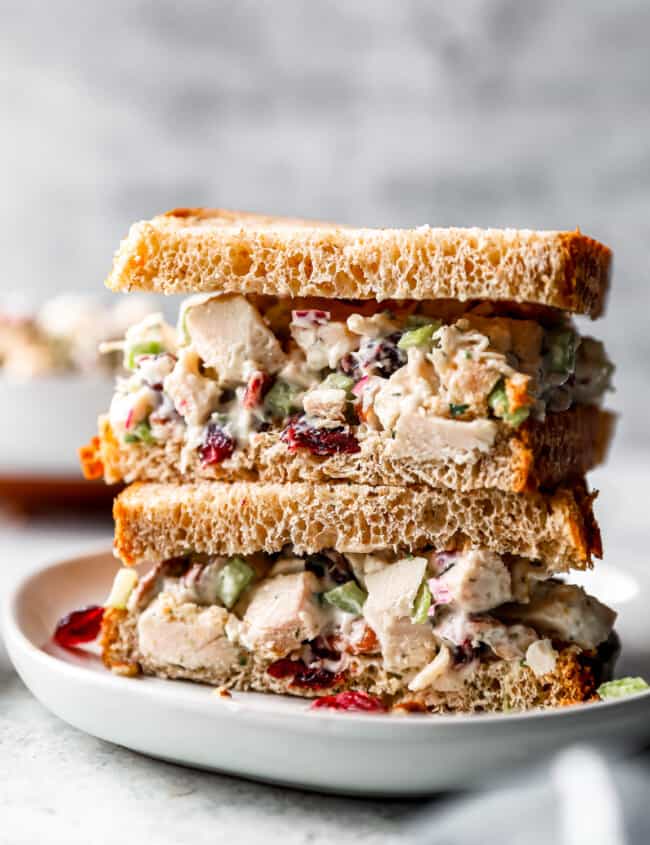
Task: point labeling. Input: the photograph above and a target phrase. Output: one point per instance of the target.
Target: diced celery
(414, 321)
(279, 401)
(498, 402)
(349, 597)
(498, 399)
(622, 687)
(420, 336)
(338, 381)
(561, 355)
(141, 433)
(516, 418)
(147, 347)
(421, 605)
(123, 585)
(232, 580)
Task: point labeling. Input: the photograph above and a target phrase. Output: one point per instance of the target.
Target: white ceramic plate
(279, 739)
(45, 421)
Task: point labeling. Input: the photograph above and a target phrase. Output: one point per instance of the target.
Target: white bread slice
(496, 686)
(159, 521)
(536, 455)
(191, 250)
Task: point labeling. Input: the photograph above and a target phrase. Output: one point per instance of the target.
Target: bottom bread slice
(497, 685)
(440, 632)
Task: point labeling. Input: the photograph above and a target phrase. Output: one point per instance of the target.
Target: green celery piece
(498, 402)
(498, 399)
(338, 381)
(415, 321)
(141, 433)
(147, 347)
(561, 356)
(418, 337)
(621, 688)
(421, 605)
(232, 580)
(517, 417)
(278, 402)
(349, 597)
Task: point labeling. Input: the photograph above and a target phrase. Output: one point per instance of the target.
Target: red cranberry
(349, 700)
(285, 668)
(258, 385)
(381, 356)
(323, 650)
(314, 678)
(80, 626)
(304, 677)
(218, 445)
(320, 441)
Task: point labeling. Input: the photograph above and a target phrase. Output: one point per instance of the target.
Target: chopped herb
(457, 410)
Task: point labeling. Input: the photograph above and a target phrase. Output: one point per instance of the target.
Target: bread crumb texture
(159, 521)
(199, 250)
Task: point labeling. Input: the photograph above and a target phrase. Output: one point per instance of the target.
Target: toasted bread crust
(195, 250)
(537, 455)
(160, 521)
(498, 685)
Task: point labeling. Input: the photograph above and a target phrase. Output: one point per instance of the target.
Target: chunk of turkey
(565, 612)
(281, 613)
(391, 594)
(184, 634)
(229, 335)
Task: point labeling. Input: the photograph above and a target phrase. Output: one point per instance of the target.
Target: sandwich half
(263, 380)
(316, 591)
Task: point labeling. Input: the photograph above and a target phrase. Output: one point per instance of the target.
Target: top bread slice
(194, 250)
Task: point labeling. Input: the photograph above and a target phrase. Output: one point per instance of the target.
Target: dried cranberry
(322, 649)
(331, 563)
(285, 668)
(258, 384)
(304, 677)
(320, 441)
(464, 653)
(315, 678)
(80, 626)
(350, 700)
(218, 445)
(380, 356)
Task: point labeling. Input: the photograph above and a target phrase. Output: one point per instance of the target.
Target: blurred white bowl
(44, 421)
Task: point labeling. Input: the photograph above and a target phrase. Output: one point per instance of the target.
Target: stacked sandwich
(356, 465)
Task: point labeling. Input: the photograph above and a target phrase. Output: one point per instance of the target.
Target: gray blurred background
(502, 113)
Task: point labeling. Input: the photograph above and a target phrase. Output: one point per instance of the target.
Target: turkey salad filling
(429, 619)
(433, 384)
